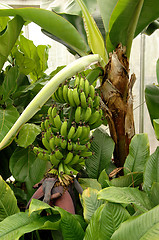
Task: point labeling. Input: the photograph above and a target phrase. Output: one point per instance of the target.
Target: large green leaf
(18, 224)
(94, 36)
(103, 147)
(131, 179)
(152, 101)
(123, 24)
(8, 116)
(154, 194)
(89, 182)
(9, 84)
(138, 154)
(27, 134)
(26, 167)
(70, 226)
(8, 202)
(9, 37)
(126, 195)
(103, 179)
(90, 203)
(105, 221)
(156, 127)
(151, 173)
(52, 23)
(145, 227)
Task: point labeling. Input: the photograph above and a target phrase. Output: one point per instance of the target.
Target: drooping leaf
(8, 116)
(94, 36)
(129, 180)
(27, 134)
(126, 195)
(70, 226)
(89, 182)
(151, 173)
(26, 167)
(103, 179)
(9, 84)
(156, 127)
(8, 202)
(90, 203)
(52, 23)
(9, 37)
(102, 146)
(145, 227)
(157, 70)
(105, 221)
(138, 154)
(122, 24)
(152, 101)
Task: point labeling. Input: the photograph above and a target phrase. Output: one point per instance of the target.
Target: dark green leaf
(8, 116)
(26, 167)
(152, 101)
(103, 147)
(145, 227)
(105, 221)
(70, 226)
(131, 179)
(52, 23)
(8, 202)
(90, 203)
(138, 154)
(9, 37)
(156, 127)
(89, 182)
(27, 134)
(151, 173)
(152, 28)
(126, 195)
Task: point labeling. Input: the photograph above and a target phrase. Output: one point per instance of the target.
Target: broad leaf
(9, 84)
(70, 226)
(138, 154)
(105, 221)
(3, 22)
(145, 227)
(8, 116)
(126, 195)
(27, 134)
(152, 101)
(8, 202)
(89, 182)
(9, 37)
(26, 167)
(156, 127)
(123, 24)
(103, 147)
(131, 179)
(154, 194)
(94, 36)
(103, 179)
(18, 224)
(151, 173)
(90, 203)
(52, 23)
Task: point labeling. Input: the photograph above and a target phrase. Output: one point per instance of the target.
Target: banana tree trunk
(116, 93)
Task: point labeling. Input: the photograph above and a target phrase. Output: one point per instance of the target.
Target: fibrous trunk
(116, 92)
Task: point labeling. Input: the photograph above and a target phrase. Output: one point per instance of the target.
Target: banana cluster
(66, 143)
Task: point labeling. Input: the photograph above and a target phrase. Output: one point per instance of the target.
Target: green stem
(46, 92)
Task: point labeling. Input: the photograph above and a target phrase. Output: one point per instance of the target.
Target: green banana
(58, 154)
(81, 84)
(57, 122)
(55, 97)
(96, 124)
(74, 160)
(85, 154)
(57, 141)
(94, 117)
(53, 112)
(76, 97)
(65, 93)
(71, 170)
(44, 156)
(70, 98)
(92, 91)
(63, 129)
(86, 87)
(46, 142)
(46, 124)
(42, 126)
(63, 143)
(52, 143)
(68, 158)
(83, 99)
(71, 132)
(87, 114)
(89, 102)
(48, 133)
(85, 133)
(96, 101)
(78, 114)
(69, 145)
(77, 133)
(77, 81)
(60, 94)
(54, 160)
(61, 169)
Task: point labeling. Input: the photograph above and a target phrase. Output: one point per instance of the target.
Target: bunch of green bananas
(67, 142)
